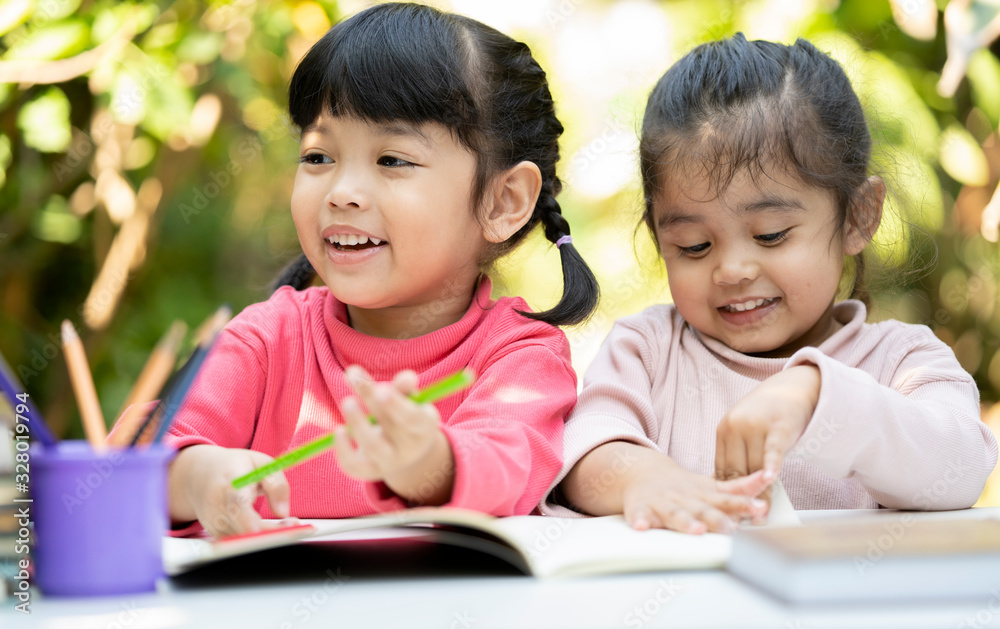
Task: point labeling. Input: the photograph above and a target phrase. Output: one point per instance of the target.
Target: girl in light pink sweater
(754, 161)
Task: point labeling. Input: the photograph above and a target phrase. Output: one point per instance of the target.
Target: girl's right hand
(691, 503)
(200, 488)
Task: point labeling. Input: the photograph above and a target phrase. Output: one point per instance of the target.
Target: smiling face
(384, 214)
(756, 267)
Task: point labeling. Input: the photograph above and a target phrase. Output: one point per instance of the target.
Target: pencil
(176, 390)
(83, 387)
(154, 375)
(433, 392)
(11, 387)
(158, 367)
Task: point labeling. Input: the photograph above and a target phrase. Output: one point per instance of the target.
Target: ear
(514, 194)
(865, 215)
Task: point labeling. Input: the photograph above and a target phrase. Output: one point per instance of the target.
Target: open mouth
(353, 242)
(749, 305)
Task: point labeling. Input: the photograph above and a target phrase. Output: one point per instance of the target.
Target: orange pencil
(83, 387)
(154, 375)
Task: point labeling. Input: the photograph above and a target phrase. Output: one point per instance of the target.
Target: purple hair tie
(563, 240)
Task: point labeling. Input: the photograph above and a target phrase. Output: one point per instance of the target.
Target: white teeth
(749, 305)
(352, 239)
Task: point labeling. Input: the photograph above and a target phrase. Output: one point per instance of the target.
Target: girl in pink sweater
(429, 144)
(754, 161)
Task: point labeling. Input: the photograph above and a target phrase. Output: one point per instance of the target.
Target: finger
(755, 452)
(678, 518)
(762, 505)
(775, 446)
(721, 433)
(279, 524)
(750, 485)
(363, 386)
(406, 382)
(640, 517)
(236, 515)
(735, 463)
(273, 486)
(406, 419)
(715, 521)
(368, 438)
(394, 408)
(352, 460)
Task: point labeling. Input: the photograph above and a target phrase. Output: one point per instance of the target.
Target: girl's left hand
(759, 429)
(405, 446)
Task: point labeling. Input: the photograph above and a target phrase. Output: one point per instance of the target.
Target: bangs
(757, 138)
(388, 64)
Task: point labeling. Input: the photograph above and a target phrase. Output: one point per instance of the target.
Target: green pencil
(435, 391)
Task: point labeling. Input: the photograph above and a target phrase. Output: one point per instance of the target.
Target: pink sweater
(897, 423)
(276, 375)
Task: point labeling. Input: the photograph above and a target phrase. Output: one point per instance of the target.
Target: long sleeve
(616, 403)
(506, 435)
(914, 440)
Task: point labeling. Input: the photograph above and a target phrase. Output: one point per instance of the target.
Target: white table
(443, 588)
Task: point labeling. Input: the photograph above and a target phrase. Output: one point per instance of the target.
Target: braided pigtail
(299, 274)
(580, 289)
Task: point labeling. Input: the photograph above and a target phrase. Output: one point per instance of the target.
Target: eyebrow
(765, 204)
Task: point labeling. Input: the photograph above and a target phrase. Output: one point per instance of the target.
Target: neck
(410, 321)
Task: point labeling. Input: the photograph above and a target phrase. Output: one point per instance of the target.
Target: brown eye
(772, 239)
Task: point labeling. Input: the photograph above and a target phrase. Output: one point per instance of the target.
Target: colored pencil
(11, 387)
(83, 387)
(172, 398)
(435, 391)
(158, 367)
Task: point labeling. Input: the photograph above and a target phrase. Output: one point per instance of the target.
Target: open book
(537, 545)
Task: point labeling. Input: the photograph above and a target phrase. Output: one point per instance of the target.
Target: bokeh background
(146, 162)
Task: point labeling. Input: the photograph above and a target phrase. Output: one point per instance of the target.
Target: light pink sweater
(275, 379)
(897, 423)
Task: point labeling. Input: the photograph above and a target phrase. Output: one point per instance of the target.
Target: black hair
(734, 105)
(416, 64)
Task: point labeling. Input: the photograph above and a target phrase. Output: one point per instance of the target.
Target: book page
(563, 547)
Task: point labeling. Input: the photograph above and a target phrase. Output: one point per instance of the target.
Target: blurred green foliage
(146, 164)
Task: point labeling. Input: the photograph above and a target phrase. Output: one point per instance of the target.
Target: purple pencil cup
(99, 518)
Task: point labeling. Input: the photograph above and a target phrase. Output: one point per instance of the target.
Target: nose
(347, 189)
(735, 267)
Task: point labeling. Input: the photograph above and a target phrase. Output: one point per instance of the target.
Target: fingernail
(769, 474)
(282, 509)
(757, 504)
